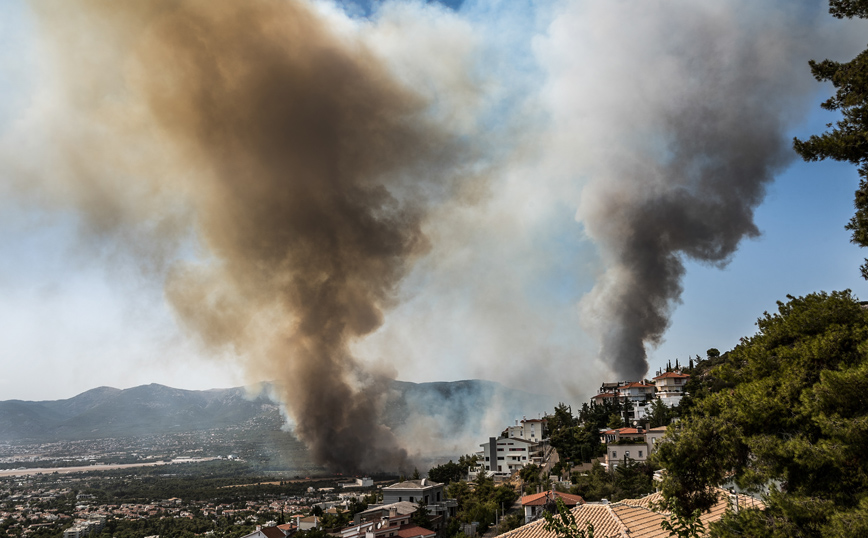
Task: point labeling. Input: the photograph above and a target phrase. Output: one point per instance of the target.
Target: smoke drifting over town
(313, 188)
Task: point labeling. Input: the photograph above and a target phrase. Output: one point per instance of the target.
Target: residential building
(365, 482)
(636, 392)
(433, 494)
(388, 521)
(307, 523)
(670, 387)
(635, 444)
(535, 504)
(266, 532)
(506, 455)
(396, 512)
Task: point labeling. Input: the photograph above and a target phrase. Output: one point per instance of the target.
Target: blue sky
(498, 296)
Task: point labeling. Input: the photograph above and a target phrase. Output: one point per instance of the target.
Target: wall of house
(616, 453)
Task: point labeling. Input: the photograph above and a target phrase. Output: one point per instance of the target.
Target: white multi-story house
(637, 392)
(527, 429)
(670, 387)
(635, 444)
(506, 454)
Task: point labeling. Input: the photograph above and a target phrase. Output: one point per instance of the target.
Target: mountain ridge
(105, 412)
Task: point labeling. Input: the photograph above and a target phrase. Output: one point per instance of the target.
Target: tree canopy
(847, 140)
(785, 412)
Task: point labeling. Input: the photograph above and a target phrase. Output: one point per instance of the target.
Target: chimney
(258, 528)
(393, 512)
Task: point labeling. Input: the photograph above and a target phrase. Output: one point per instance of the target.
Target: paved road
(551, 461)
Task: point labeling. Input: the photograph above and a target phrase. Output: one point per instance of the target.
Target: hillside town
(526, 465)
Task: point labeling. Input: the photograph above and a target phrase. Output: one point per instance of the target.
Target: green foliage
(660, 414)
(481, 501)
(848, 8)
(421, 517)
(847, 140)
(628, 481)
(564, 525)
(453, 472)
(615, 422)
(510, 522)
(530, 473)
(681, 524)
(785, 408)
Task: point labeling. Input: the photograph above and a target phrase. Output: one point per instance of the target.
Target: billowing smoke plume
(290, 173)
(678, 111)
(305, 169)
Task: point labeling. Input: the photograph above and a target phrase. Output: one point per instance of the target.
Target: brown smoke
(306, 171)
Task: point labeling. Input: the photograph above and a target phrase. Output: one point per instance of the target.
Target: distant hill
(481, 408)
(146, 410)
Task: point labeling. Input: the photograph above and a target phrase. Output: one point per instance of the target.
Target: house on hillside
(670, 387)
(506, 455)
(388, 521)
(635, 444)
(534, 505)
(433, 494)
(396, 512)
(529, 429)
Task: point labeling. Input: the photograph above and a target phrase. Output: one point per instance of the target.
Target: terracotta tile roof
(624, 431)
(671, 374)
(272, 532)
(605, 395)
(539, 499)
(646, 502)
(716, 512)
(630, 518)
(639, 521)
(414, 531)
(606, 523)
(636, 384)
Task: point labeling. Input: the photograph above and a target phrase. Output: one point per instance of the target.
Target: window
(413, 500)
(486, 458)
(640, 453)
(626, 455)
(438, 496)
(400, 499)
(614, 455)
(500, 457)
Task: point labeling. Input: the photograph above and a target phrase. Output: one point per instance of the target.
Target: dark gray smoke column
(691, 111)
(721, 162)
(306, 170)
